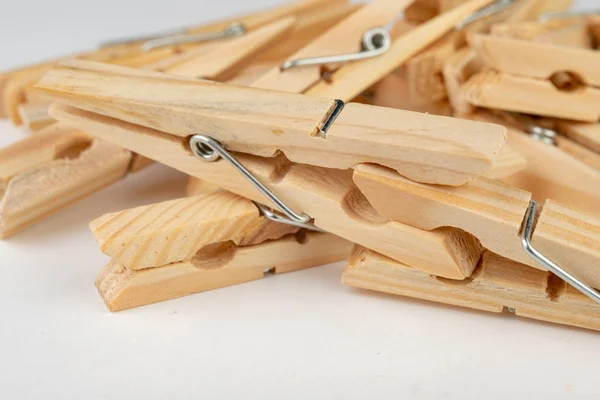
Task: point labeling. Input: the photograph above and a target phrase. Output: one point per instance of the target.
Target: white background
(301, 335)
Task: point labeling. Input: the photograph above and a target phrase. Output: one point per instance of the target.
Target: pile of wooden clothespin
(466, 116)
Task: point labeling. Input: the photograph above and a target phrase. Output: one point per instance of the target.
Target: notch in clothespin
(184, 246)
(265, 122)
(327, 197)
(30, 176)
(332, 199)
(548, 80)
(13, 84)
(496, 285)
(424, 71)
(556, 167)
(503, 218)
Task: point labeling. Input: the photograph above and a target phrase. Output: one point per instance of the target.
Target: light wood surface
(50, 144)
(42, 190)
(218, 63)
(393, 91)
(14, 83)
(502, 91)
(329, 196)
(577, 36)
(571, 239)
(457, 70)
(492, 212)
(197, 186)
(551, 172)
(343, 38)
(425, 69)
(351, 79)
(423, 10)
(579, 152)
(587, 135)
(307, 28)
(172, 231)
(426, 148)
(508, 163)
(536, 60)
(35, 116)
(215, 267)
(497, 284)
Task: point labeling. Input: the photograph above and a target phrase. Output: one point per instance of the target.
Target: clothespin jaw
(199, 243)
(496, 285)
(549, 80)
(494, 213)
(425, 148)
(328, 196)
(46, 172)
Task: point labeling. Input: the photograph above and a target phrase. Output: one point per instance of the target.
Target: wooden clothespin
(424, 71)
(263, 122)
(27, 201)
(496, 285)
(134, 51)
(557, 167)
(178, 247)
(325, 195)
(328, 196)
(497, 215)
(547, 80)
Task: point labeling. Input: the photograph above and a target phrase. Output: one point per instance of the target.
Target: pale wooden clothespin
(546, 80)
(496, 285)
(26, 202)
(14, 83)
(456, 252)
(175, 248)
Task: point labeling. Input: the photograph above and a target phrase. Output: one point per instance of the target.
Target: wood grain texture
(327, 195)
(571, 239)
(58, 141)
(49, 144)
(172, 231)
(44, 189)
(536, 60)
(425, 69)
(529, 30)
(216, 267)
(343, 38)
(501, 91)
(426, 148)
(497, 284)
(352, 79)
(490, 211)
